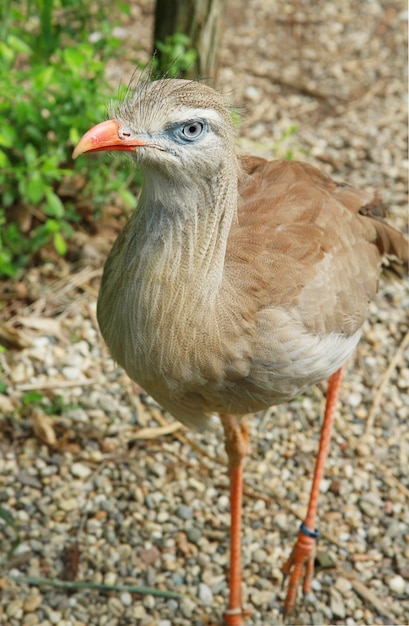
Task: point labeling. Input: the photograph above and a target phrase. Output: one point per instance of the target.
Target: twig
(365, 593)
(284, 504)
(389, 478)
(59, 384)
(383, 383)
(186, 440)
(153, 433)
(68, 584)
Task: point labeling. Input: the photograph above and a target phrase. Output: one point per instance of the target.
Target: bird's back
(311, 241)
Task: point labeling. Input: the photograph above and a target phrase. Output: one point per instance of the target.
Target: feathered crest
(140, 84)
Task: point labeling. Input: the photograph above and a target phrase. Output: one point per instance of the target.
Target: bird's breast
(198, 352)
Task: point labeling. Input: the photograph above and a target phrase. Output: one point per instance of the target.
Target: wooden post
(201, 21)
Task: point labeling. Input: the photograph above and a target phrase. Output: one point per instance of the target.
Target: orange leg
(236, 434)
(300, 565)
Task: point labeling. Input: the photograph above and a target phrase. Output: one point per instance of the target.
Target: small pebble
(139, 612)
(79, 470)
(126, 598)
(337, 603)
(69, 504)
(184, 512)
(317, 618)
(110, 578)
(32, 601)
(397, 585)
(343, 585)
(259, 555)
(149, 602)
(71, 373)
(261, 598)
(205, 594)
(177, 579)
(15, 609)
(30, 619)
(187, 606)
(54, 617)
(193, 534)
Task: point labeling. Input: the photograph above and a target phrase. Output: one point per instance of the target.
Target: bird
(237, 283)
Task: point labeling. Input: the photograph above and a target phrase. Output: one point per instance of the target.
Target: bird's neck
(160, 299)
(183, 228)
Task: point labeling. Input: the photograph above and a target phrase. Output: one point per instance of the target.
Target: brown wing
(308, 244)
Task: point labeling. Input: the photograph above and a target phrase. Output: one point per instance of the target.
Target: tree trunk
(201, 21)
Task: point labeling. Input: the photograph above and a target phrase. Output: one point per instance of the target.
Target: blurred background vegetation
(53, 89)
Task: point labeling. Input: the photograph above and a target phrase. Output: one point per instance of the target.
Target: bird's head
(178, 127)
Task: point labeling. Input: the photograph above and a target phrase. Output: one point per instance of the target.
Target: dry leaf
(71, 558)
(12, 338)
(44, 427)
(49, 325)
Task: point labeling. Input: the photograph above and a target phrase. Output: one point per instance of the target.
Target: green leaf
(124, 7)
(7, 268)
(4, 160)
(43, 78)
(35, 134)
(60, 244)
(128, 197)
(35, 188)
(74, 58)
(18, 45)
(6, 53)
(31, 397)
(52, 226)
(54, 207)
(74, 135)
(40, 237)
(23, 112)
(30, 154)
(8, 136)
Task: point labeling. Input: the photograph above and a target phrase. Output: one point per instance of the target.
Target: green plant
(55, 406)
(176, 56)
(284, 145)
(52, 90)
(8, 519)
(3, 384)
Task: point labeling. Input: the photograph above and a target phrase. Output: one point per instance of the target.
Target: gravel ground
(105, 491)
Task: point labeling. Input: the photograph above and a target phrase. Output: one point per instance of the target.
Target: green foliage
(3, 384)
(7, 518)
(284, 143)
(53, 407)
(175, 57)
(52, 89)
(32, 397)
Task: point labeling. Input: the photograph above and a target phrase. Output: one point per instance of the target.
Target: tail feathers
(394, 247)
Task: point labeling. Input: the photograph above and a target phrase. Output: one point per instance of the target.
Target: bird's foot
(300, 565)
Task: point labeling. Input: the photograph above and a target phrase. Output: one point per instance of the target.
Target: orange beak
(105, 136)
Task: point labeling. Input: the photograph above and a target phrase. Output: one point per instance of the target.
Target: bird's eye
(193, 130)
